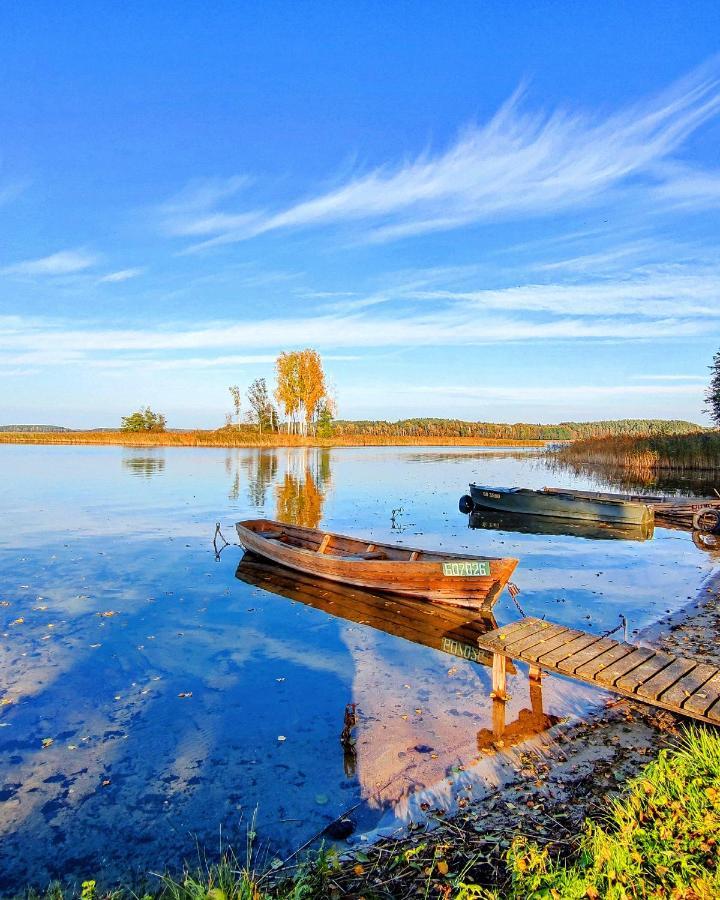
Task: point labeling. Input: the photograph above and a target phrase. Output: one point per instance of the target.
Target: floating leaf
(107, 614)
(47, 742)
(184, 694)
(18, 621)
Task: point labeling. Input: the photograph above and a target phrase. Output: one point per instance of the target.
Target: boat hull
(561, 506)
(423, 578)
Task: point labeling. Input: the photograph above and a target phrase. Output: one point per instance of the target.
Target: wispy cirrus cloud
(651, 293)
(518, 164)
(448, 327)
(64, 262)
(120, 275)
(700, 378)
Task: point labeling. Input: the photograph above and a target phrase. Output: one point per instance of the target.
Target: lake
(156, 698)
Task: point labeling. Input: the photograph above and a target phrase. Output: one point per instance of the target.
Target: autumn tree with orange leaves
(301, 389)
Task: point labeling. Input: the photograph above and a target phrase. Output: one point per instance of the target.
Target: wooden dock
(676, 683)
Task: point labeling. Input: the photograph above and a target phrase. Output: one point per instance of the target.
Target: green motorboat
(553, 502)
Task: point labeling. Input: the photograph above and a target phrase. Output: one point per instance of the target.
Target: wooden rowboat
(472, 582)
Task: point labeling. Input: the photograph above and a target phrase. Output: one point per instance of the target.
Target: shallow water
(174, 699)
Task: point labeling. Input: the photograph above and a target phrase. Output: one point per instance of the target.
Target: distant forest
(42, 428)
(420, 428)
(518, 431)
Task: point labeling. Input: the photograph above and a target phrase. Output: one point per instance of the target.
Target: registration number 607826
(466, 568)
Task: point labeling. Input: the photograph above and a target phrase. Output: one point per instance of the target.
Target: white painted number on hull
(466, 568)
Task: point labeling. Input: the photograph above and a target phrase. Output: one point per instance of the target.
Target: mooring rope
(623, 625)
(514, 590)
(226, 542)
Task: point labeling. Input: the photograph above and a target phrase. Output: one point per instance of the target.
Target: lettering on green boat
(466, 568)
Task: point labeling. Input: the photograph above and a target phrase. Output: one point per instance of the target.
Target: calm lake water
(153, 701)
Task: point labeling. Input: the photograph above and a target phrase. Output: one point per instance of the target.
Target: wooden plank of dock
(680, 684)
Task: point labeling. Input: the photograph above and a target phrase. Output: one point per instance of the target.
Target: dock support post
(498, 718)
(535, 672)
(498, 676)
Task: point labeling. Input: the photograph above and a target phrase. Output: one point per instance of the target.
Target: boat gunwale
(417, 564)
(561, 493)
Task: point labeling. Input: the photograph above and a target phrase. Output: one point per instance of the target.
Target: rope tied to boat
(226, 542)
(514, 590)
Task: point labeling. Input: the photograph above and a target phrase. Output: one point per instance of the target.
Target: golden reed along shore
(224, 438)
(695, 452)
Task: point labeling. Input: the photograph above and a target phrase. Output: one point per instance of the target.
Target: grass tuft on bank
(660, 840)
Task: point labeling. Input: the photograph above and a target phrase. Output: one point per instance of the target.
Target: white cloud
(121, 275)
(684, 187)
(543, 394)
(65, 262)
(517, 164)
(700, 378)
(446, 327)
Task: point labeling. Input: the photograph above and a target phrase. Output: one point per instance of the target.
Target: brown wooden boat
(472, 582)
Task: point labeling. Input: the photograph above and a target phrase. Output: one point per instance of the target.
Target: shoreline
(547, 787)
(253, 441)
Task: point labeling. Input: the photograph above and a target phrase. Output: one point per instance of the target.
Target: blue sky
(501, 211)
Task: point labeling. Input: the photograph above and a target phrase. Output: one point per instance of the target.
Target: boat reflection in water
(527, 524)
(421, 745)
(447, 628)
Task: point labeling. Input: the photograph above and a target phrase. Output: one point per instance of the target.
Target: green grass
(659, 841)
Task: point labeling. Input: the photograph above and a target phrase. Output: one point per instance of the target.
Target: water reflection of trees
(260, 469)
(144, 466)
(301, 493)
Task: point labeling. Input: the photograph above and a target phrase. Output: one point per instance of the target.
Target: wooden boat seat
(372, 554)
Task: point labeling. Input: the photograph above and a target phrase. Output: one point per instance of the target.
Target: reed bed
(696, 452)
(228, 438)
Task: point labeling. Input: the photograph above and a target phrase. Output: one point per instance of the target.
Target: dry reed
(225, 438)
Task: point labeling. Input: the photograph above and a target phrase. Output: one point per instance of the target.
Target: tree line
(433, 427)
(301, 403)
